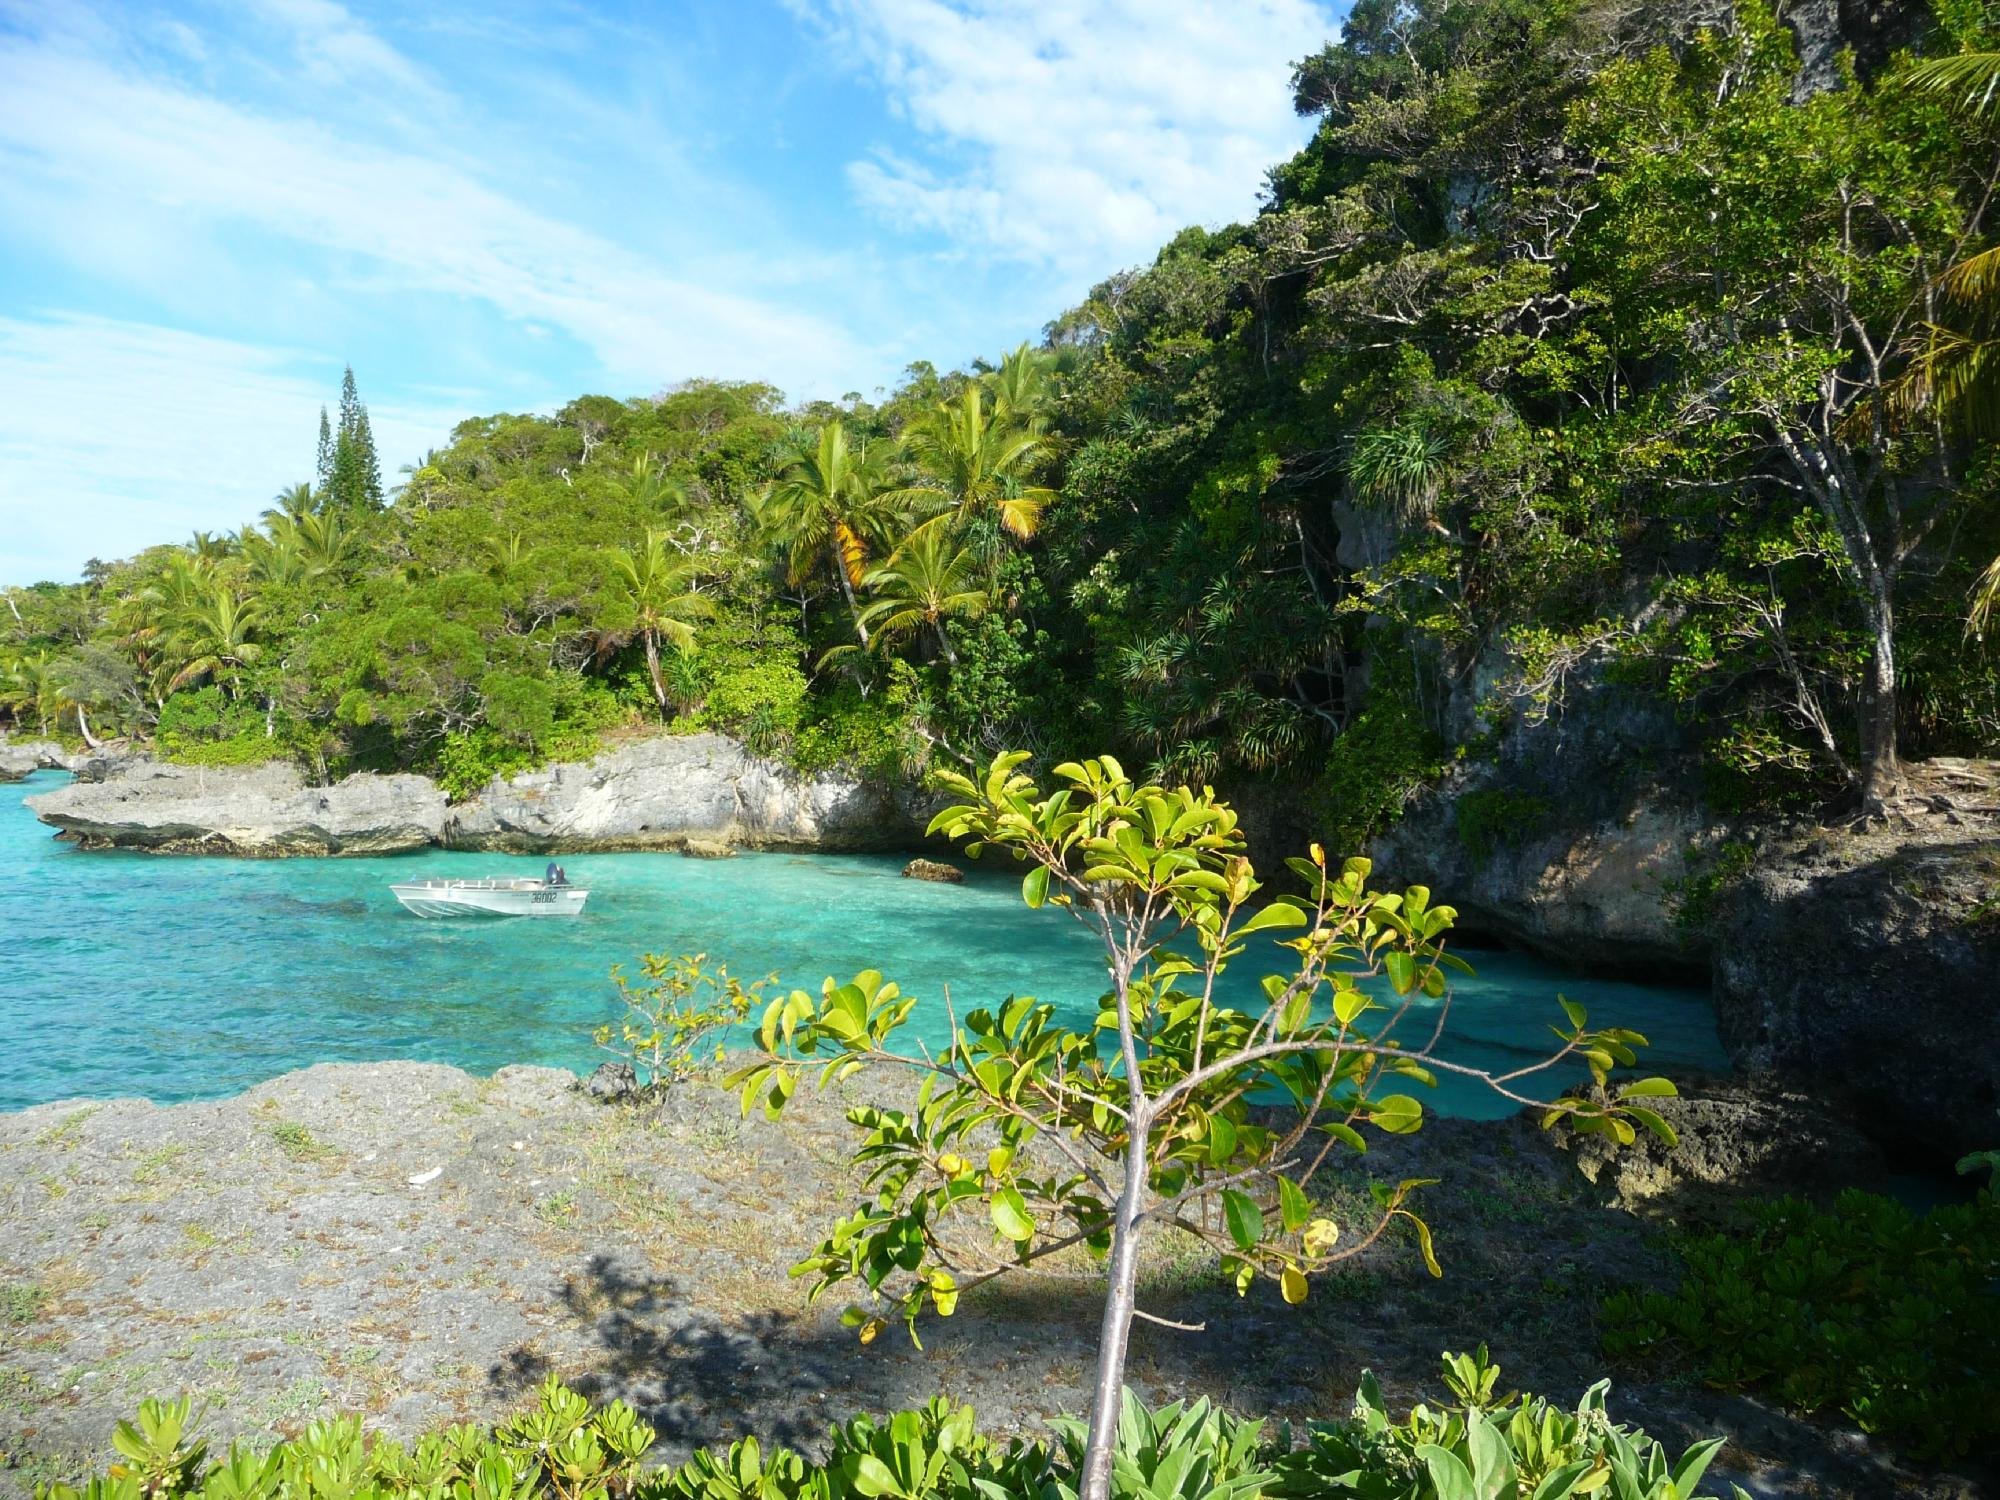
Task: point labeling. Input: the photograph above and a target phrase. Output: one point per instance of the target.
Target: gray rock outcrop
(1567, 841)
(702, 793)
(675, 790)
(264, 811)
(20, 759)
(1867, 968)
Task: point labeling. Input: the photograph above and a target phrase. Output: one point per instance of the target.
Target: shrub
(200, 727)
(1885, 1316)
(672, 1019)
(1490, 821)
(563, 1450)
(1690, 901)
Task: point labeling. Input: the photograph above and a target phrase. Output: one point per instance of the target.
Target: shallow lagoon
(185, 977)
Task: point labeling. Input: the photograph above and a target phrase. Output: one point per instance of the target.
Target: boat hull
(478, 898)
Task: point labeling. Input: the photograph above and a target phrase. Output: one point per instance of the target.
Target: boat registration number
(545, 898)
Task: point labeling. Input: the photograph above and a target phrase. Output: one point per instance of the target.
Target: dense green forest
(1581, 340)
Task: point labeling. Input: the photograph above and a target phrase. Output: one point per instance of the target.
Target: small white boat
(499, 897)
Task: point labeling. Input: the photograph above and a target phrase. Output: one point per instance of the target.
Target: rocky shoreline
(1857, 965)
(419, 1245)
(666, 792)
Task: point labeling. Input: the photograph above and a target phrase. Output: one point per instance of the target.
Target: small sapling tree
(675, 1018)
(1032, 1144)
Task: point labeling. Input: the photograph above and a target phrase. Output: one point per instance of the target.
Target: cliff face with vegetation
(1575, 468)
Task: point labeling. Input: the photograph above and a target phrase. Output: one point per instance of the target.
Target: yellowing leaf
(1321, 1236)
(1293, 1284)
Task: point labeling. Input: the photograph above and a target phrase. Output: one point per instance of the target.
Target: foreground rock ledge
(418, 1245)
(669, 792)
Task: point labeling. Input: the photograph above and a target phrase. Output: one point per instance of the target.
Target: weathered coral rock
(703, 794)
(934, 869)
(1866, 967)
(265, 811)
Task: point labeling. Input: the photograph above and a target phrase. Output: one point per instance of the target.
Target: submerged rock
(264, 811)
(1867, 967)
(934, 869)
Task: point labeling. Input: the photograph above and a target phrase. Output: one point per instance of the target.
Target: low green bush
(1496, 819)
(1888, 1317)
(1513, 1448)
(201, 727)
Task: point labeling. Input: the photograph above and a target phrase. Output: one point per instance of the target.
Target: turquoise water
(184, 977)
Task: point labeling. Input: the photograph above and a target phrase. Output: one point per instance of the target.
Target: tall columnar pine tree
(323, 462)
(354, 481)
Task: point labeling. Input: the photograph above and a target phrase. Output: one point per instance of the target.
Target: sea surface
(189, 977)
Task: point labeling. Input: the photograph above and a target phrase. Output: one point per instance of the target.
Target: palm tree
(1022, 388)
(978, 461)
(28, 685)
(828, 506)
(658, 494)
(290, 505)
(322, 541)
(1955, 366)
(656, 584)
(929, 579)
(215, 637)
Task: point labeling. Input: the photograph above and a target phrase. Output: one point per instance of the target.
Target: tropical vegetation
(563, 1449)
(1580, 343)
(1863, 1307)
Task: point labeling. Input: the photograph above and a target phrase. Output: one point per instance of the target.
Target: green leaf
(1402, 970)
(871, 1477)
(1659, 1127)
(1576, 1013)
(1035, 887)
(1650, 1088)
(1277, 914)
(1244, 1218)
(1398, 1114)
(1010, 1216)
(1450, 1477)
(1294, 1208)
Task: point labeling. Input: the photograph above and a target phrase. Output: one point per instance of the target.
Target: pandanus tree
(1033, 1145)
(653, 596)
(927, 581)
(977, 460)
(827, 507)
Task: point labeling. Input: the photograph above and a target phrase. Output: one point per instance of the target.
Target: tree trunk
(83, 728)
(846, 588)
(1114, 1334)
(1881, 770)
(944, 640)
(653, 670)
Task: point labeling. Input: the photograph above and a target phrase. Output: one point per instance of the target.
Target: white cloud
(146, 160)
(114, 435)
(1078, 133)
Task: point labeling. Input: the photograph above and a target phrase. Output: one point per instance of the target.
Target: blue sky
(207, 208)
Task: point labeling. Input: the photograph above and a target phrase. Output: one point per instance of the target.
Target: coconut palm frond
(1971, 79)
